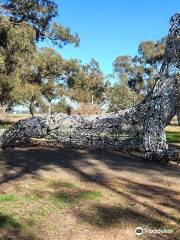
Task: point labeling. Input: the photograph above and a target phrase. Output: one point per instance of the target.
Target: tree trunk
(31, 108)
(3, 112)
(92, 99)
(49, 109)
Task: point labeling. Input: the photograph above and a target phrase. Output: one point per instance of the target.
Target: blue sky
(109, 28)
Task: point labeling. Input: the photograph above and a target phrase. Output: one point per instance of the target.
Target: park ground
(53, 193)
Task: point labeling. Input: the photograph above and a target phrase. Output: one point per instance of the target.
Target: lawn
(54, 193)
(173, 137)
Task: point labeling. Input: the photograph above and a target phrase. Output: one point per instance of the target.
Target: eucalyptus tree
(22, 24)
(88, 84)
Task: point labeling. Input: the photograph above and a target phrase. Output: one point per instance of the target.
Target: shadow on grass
(18, 162)
(68, 199)
(11, 229)
(105, 216)
(8, 221)
(22, 161)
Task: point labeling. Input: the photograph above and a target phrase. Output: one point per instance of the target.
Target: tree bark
(31, 108)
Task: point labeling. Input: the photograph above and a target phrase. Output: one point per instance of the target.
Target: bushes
(87, 109)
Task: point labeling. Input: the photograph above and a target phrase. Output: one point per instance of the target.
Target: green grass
(8, 221)
(32, 197)
(4, 126)
(88, 195)
(59, 184)
(67, 199)
(6, 197)
(173, 137)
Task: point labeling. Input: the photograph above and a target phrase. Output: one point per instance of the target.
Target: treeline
(42, 79)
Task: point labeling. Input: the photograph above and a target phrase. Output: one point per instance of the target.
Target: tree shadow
(14, 163)
(10, 228)
(19, 162)
(104, 216)
(8, 221)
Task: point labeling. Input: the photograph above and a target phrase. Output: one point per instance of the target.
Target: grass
(70, 194)
(32, 197)
(7, 198)
(173, 137)
(103, 216)
(4, 126)
(68, 199)
(8, 221)
(59, 184)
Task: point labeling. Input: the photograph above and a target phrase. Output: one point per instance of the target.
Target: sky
(109, 28)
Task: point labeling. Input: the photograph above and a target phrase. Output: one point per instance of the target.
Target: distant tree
(46, 70)
(59, 107)
(152, 52)
(139, 76)
(62, 106)
(120, 96)
(28, 95)
(88, 85)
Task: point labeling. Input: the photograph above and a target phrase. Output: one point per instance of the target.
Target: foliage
(88, 84)
(60, 106)
(22, 24)
(5, 197)
(120, 96)
(173, 137)
(39, 14)
(16, 50)
(152, 52)
(136, 75)
(27, 94)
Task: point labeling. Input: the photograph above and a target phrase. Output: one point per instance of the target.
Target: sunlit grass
(6, 197)
(173, 137)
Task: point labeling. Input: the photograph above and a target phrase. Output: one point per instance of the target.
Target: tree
(28, 94)
(16, 49)
(139, 75)
(46, 71)
(140, 72)
(22, 24)
(60, 106)
(152, 52)
(120, 96)
(39, 14)
(88, 84)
